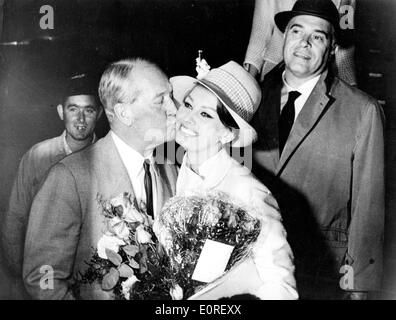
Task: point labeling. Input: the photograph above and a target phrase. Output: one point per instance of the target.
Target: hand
(251, 69)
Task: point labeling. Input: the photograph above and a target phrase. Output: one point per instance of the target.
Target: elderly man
(321, 152)
(65, 222)
(79, 112)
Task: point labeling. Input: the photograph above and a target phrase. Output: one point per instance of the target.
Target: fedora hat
(324, 9)
(236, 89)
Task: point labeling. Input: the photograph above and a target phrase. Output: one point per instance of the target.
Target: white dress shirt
(305, 89)
(133, 162)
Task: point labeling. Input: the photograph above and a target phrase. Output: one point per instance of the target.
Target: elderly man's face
(154, 110)
(79, 114)
(308, 45)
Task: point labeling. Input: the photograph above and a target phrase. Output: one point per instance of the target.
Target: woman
(214, 111)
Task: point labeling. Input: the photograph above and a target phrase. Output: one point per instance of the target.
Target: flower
(118, 228)
(133, 215)
(142, 236)
(202, 68)
(210, 214)
(108, 242)
(176, 292)
(120, 203)
(165, 238)
(127, 286)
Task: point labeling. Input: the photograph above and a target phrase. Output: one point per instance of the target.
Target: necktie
(286, 119)
(148, 186)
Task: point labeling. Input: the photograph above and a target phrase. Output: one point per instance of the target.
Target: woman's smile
(187, 132)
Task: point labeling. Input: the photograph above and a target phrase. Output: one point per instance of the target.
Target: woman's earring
(227, 138)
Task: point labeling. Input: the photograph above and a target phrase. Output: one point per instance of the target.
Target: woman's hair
(225, 116)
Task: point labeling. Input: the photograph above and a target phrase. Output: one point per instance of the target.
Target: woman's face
(198, 127)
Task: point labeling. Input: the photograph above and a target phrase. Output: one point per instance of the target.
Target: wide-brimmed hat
(237, 90)
(324, 9)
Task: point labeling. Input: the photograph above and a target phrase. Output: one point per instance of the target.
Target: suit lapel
(306, 121)
(113, 172)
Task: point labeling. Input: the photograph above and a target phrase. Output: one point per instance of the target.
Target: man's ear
(122, 114)
(59, 108)
(100, 112)
(334, 49)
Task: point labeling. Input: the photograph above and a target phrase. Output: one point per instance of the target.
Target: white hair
(114, 87)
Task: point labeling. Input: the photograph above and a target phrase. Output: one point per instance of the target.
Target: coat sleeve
(262, 29)
(272, 253)
(52, 236)
(366, 231)
(16, 218)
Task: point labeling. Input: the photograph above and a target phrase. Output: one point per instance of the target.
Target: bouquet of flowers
(188, 223)
(128, 261)
(132, 261)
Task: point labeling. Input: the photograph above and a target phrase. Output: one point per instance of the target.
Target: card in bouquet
(212, 261)
(241, 279)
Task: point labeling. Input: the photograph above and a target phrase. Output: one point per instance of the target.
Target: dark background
(89, 34)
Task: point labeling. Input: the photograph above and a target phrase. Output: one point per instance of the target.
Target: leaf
(114, 257)
(125, 271)
(133, 263)
(131, 250)
(110, 280)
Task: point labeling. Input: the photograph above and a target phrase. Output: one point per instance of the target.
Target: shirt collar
(305, 89)
(132, 159)
(66, 146)
(213, 170)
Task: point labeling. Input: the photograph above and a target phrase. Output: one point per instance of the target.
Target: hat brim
(245, 135)
(283, 18)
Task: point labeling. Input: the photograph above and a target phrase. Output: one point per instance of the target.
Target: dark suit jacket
(329, 181)
(65, 219)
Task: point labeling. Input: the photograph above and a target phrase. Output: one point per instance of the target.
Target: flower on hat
(202, 68)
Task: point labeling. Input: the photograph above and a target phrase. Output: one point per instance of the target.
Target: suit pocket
(333, 256)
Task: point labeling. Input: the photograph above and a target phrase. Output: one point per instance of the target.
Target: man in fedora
(79, 110)
(65, 219)
(264, 51)
(321, 152)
